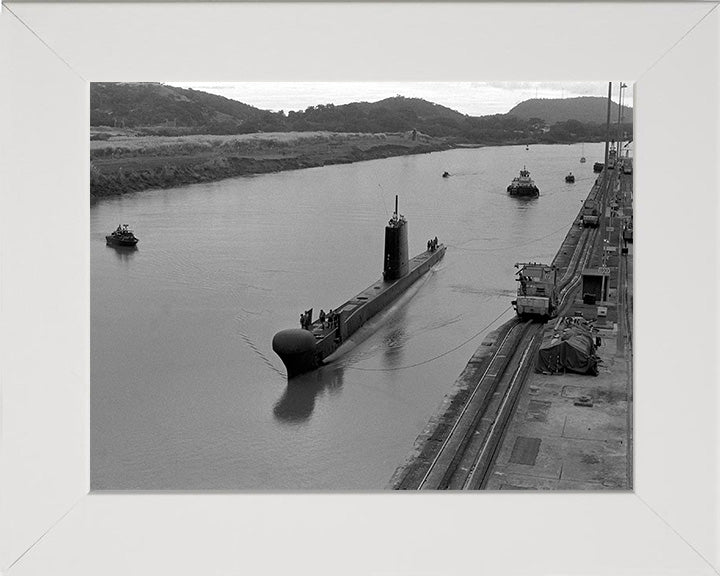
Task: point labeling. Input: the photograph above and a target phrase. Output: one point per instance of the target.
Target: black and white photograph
(358, 286)
(278, 279)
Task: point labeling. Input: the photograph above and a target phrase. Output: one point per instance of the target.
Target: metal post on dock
(607, 127)
(622, 112)
(617, 134)
(618, 139)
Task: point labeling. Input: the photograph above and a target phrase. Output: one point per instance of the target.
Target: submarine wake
(375, 323)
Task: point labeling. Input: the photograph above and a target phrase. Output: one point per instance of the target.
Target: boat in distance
(304, 349)
(570, 178)
(523, 185)
(122, 236)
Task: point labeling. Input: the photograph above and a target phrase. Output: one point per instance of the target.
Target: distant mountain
(584, 109)
(140, 104)
(414, 108)
(395, 114)
(157, 109)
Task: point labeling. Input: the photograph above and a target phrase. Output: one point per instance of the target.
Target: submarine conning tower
(396, 247)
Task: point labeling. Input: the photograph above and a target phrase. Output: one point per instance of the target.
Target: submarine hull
(304, 350)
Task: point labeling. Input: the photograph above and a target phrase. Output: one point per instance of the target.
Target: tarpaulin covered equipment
(570, 347)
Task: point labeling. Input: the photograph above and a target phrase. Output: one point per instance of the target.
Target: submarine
(304, 349)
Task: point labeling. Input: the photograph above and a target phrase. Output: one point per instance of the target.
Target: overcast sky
(473, 98)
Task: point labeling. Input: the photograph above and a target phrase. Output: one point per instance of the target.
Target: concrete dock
(568, 431)
(556, 441)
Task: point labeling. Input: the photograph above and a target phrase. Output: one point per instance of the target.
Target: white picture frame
(50, 524)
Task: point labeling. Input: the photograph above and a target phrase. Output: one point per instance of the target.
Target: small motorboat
(122, 236)
(570, 178)
(446, 174)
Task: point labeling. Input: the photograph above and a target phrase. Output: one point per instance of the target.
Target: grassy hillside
(127, 163)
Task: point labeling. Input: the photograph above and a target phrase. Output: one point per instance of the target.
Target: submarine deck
(324, 333)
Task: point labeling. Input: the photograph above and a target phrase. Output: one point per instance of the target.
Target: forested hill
(585, 109)
(158, 109)
(143, 104)
(169, 110)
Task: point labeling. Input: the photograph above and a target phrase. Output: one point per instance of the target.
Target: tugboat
(570, 178)
(523, 185)
(122, 236)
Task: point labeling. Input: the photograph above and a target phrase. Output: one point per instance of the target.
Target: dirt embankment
(124, 163)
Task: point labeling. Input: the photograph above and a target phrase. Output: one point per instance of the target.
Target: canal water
(186, 392)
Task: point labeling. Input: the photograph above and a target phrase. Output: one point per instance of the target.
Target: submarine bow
(296, 348)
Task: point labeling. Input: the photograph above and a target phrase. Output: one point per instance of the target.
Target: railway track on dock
(466, 456)
(475, 432)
